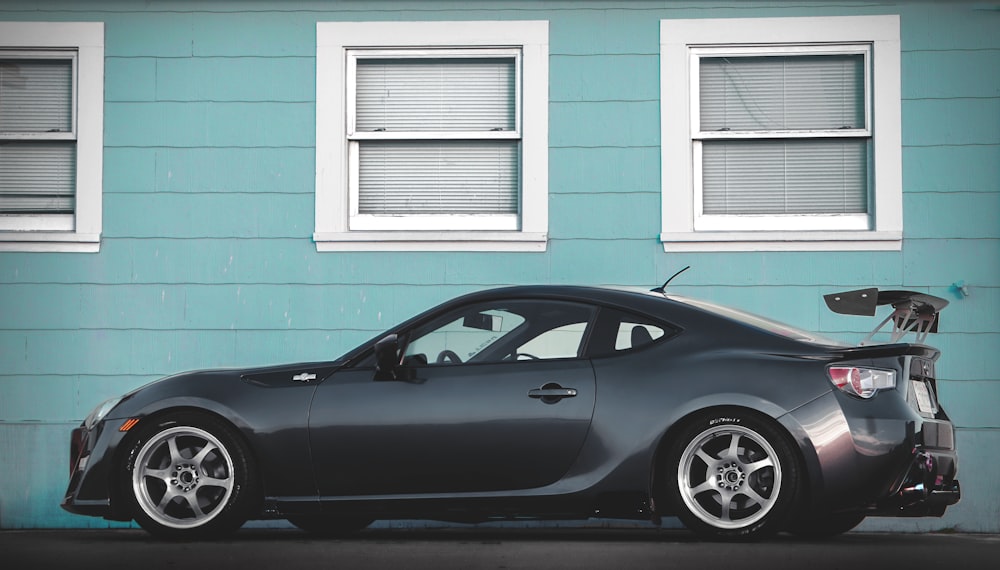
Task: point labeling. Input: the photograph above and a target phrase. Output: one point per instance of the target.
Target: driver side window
(462, 338)
(501, 331)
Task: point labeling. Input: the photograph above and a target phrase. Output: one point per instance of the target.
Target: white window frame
(338, 225)
(359, 221)
(81, 232)
(683, 42)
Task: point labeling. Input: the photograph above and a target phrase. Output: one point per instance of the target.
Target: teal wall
(207, 258)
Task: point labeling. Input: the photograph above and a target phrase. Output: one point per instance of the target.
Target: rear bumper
(879, 457)
(926, 489)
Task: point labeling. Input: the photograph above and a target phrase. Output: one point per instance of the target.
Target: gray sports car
(544, 402)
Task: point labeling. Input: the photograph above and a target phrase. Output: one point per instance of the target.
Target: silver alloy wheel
(183, 477)
(729, 476)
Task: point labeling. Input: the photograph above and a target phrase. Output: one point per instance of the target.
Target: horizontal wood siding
(207, 256)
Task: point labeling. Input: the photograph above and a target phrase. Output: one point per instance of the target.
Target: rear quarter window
(619, 331)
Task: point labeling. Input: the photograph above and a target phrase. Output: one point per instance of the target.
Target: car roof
(666, 306)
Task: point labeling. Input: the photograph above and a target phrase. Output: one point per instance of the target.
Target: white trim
(433, 223)
(333, 200)
(34, 223)
(781, 241)
(680, 43)
(432, 241)
(353, 55)
(729, 223)
(63, 242)
(87, 39)
(823, 49)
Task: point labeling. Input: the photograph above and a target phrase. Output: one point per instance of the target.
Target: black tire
(189, 475)
(820, 526)
(732, 475)
(330, 526)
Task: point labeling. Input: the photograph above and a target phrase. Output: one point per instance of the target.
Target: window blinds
(822, 92)
(445, 144)
(431, 94)
(37, 176)
(785, 176)
(438, 177)
(758, 168)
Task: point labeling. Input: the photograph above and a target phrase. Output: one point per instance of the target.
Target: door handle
(551, 393)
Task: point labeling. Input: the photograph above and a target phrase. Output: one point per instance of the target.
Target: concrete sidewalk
(443, 549)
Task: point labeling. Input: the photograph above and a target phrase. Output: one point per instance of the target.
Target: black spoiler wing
(912, 311)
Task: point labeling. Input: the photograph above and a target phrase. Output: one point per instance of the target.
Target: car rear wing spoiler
(912, 312)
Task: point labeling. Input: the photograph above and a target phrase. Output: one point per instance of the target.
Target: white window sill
(428, 241)
(782, 241)
(55, 242)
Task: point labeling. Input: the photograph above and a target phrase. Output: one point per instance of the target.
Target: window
(505, 331)
(560, 342)
(432, 136)
(619, 331)
(636, 335)
(463, 337)
(781, 133)
(51, 135)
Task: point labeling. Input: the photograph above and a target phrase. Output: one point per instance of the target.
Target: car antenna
(662, 289)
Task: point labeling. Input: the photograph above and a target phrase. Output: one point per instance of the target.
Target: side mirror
(387, 357)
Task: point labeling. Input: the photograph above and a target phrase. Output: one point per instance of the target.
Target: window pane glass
(37, 177)
(562, 342)
(506, 331)
(465, 336)
(438, 177)
(435, 94)
(786, 176)
(36, 95)
(782, 92)
(636, 335)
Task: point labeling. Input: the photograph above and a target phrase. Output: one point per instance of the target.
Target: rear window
(759, 322)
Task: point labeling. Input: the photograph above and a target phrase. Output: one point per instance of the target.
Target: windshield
(757, 321)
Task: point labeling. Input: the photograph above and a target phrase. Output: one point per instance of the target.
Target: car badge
(304, 377)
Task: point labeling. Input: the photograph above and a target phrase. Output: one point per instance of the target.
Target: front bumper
(89, 489)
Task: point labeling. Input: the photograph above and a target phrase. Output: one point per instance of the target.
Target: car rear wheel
(330, 526)
(734, 476)
(189, 475)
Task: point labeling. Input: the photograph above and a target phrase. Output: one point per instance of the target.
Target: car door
(492, 397)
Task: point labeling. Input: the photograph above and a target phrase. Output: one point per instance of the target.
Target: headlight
(99, 412)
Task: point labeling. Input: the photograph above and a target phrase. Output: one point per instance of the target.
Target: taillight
(862, 382)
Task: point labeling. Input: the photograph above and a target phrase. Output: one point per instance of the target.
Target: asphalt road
(494, 549)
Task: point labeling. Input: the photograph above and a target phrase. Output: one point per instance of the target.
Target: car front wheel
(734, 476)
(189, 475)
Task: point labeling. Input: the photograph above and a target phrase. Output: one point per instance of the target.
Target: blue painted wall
(207, 258)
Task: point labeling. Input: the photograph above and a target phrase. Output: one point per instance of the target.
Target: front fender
(271, 419)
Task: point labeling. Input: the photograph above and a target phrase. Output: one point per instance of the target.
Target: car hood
(198, 382)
